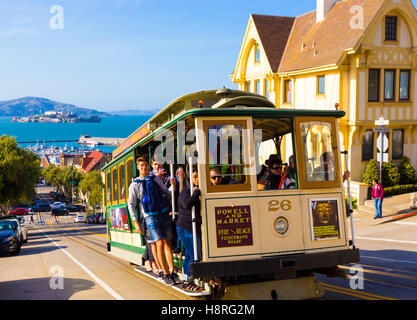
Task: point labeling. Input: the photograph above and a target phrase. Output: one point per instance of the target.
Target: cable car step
(177, 287)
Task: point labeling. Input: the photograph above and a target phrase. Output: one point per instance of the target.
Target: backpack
(154, 200)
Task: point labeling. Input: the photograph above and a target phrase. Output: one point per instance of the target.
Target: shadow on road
(44, 288)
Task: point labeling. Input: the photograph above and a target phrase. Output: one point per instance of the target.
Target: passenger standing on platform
(185, 230)
(151, 196)
(378, 197)
(158, 170)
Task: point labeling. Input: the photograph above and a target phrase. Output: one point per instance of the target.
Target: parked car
(23, 229)
(60, 211)
(40, 207)
(9, 241)
(57, 205)
(20, 231)
(79, 218)
(76, 208)
(19, 211)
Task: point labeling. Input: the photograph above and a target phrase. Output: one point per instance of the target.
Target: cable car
(275, 213)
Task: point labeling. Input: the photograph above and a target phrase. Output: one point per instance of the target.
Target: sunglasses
(215, 177)
(276, 168)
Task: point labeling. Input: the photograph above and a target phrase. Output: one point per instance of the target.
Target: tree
(51, 175)
(19, 172)
(63, 179)
(92, 185)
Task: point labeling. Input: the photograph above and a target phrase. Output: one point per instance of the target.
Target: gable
(406, 26)
(320, 44)
(271, 34)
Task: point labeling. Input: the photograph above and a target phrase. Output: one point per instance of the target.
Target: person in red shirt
(378, 197)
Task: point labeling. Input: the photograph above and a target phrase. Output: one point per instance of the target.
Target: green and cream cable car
(257, 242)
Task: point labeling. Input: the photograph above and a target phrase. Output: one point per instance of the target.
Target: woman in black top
(185, 230)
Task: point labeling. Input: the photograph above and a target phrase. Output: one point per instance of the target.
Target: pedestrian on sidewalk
(378, 197)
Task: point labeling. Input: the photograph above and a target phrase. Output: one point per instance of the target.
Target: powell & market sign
(233, 226)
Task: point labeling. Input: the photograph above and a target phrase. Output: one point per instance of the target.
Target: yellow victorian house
(356, 55)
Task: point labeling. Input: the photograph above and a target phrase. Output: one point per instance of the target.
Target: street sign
(381, 130)
(382, 143)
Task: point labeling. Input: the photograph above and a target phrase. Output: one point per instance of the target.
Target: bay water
(109, 127)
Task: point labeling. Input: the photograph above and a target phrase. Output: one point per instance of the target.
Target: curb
(403, 216)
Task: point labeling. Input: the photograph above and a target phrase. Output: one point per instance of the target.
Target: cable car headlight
(281, 225)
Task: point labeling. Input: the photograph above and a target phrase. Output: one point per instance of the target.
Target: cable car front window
(226, 158)
(318, 151)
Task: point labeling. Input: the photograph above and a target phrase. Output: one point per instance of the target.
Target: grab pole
(350, 199)
(171, 169)
(194, 223)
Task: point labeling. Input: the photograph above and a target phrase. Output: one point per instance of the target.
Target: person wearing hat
(274, 164)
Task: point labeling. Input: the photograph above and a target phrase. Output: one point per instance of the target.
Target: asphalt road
(69, 261)
(388, 264)
(64, 261)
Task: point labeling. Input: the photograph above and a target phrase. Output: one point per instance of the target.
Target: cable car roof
(214, 103)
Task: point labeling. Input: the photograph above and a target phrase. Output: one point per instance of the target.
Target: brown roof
(324, 43)
(273, 32)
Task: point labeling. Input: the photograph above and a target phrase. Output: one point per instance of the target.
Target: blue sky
(125, 54)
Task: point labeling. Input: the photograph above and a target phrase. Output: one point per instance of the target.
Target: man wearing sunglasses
(273, 180)
(215, 177)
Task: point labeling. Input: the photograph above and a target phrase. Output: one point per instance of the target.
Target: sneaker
(168, 280)
(175, 278)
(160, 275)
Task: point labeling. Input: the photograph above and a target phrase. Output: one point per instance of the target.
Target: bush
(396, 190)
(354, 202)
(407, 172)
(390, 174)
(371, 172)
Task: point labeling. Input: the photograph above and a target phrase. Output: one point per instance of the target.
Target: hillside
(30, 106)
(135, 112)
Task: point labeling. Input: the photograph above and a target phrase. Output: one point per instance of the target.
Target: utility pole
(72, 183)
(382, 130)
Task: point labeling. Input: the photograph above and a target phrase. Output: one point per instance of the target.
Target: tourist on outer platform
(158, 170)
(152, 197)
(185, 230)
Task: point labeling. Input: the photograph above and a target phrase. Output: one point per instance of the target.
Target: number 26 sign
(276, 205)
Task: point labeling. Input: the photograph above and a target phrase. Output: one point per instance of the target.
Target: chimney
(323, 8)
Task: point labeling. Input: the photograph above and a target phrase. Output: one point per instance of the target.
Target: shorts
(149, 237)
(160, 226)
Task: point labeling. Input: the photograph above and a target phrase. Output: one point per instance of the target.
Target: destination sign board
(233, 226)
(132, 139)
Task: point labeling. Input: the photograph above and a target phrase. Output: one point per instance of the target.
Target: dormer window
(391, 28)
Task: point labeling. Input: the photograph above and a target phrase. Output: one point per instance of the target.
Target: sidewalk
(392, 207)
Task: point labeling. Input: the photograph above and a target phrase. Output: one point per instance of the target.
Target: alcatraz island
(57, 117)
